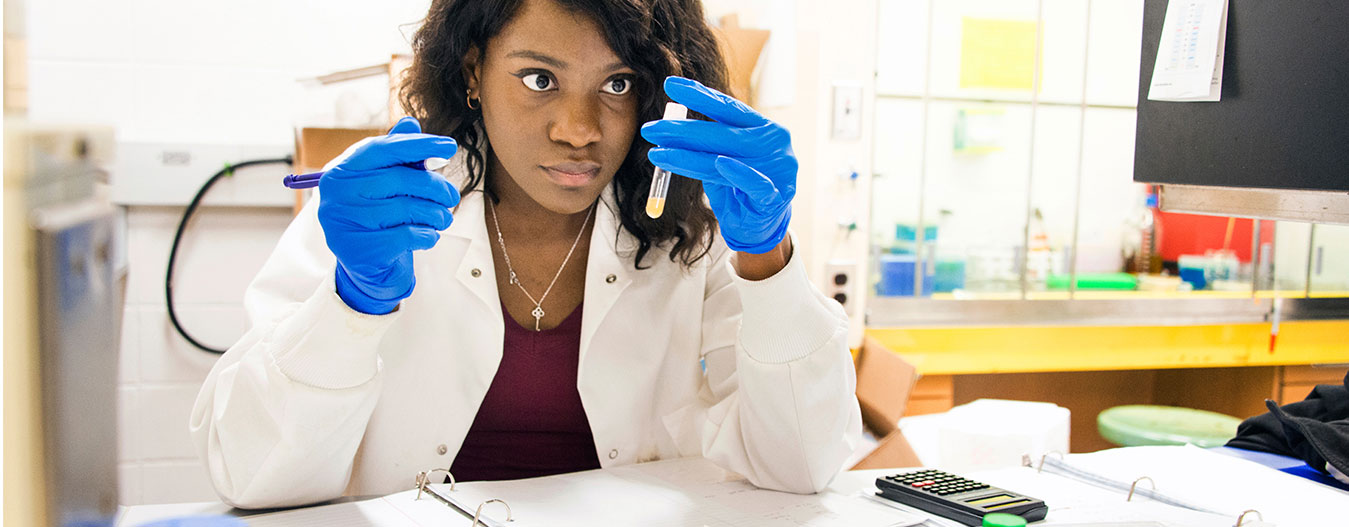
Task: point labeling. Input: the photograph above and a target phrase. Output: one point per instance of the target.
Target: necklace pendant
(538, 315)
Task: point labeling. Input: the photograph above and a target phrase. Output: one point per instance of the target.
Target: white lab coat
(318, 400)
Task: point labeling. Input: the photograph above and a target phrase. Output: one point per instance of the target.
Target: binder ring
(1041, 468)
(1135, 485)
(424, 479)
(478, 515)
(1242, 518)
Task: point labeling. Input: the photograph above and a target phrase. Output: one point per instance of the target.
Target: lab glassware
(660, 179)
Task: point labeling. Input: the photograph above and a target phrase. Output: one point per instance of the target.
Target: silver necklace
(538, 304)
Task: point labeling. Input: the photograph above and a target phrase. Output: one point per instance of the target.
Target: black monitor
(1283, 121)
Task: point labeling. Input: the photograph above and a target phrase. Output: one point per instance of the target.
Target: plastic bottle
(949, 270)
(1039, 257)
(899, 265)
(1144, 239)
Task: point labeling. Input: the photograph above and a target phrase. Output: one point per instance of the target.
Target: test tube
(660, 179)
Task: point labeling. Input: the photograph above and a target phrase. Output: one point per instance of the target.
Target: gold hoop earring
(468, 99)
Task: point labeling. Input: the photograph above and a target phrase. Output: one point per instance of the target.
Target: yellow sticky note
(998, 54)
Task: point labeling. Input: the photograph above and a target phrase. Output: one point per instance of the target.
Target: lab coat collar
(475, 270)
(609, 267)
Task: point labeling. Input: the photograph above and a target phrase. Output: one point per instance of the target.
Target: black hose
(178, 237)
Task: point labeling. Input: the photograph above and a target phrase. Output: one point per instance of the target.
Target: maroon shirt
(531, 422)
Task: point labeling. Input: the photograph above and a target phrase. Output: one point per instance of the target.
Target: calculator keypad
(936, 482)
(956, 498)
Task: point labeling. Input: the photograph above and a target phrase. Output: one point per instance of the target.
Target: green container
(1139, 424)
(1095, 282)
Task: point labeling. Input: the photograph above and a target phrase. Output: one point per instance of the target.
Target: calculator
(951, 496)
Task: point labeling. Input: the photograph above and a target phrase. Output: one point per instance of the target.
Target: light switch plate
(847, 111)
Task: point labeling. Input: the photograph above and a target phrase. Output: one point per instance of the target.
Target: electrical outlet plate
(839, 279)
(852, 291)
(167, 174)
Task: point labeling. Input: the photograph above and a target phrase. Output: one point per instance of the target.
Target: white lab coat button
(610, 279)
(613, 454)
(476, 272)
(442, 449)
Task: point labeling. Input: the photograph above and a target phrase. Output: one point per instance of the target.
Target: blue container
(1195, 276)
(897, 276)
(1195, 270)
(950, 275)
(906, 238)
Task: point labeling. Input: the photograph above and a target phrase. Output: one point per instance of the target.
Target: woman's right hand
(378, 206)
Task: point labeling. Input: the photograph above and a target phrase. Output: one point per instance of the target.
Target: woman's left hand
(744, 160)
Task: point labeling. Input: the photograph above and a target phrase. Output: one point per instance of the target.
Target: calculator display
(991, 499)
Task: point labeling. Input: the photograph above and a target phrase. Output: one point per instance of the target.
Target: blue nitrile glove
(744, 160)
(378, 206)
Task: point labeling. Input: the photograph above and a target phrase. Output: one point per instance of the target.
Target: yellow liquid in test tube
(660, 179)
(655, 207)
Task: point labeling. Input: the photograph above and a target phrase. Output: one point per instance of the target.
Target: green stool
(1141, 424)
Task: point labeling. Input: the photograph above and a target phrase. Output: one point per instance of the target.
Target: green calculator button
(999, 519)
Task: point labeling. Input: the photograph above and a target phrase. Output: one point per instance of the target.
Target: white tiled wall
(169, 71)
(160, 371)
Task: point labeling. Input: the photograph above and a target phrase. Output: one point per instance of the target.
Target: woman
(545, 324)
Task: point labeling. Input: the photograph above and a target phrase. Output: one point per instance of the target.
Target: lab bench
(1226, 368)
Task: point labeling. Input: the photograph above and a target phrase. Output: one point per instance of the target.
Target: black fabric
(1315, 430)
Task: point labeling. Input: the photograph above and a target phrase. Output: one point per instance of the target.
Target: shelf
(947, 351)
(1131, 295)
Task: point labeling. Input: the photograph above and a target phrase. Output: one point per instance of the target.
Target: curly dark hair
(656, 38)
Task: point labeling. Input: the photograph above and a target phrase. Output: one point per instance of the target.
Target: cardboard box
(740, 47)
(315, 147)
(884, 382)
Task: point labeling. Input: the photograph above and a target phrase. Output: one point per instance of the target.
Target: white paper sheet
(1224, 484)
(675, 493)
(1073, 503)
(379, 512)
(1189, 65)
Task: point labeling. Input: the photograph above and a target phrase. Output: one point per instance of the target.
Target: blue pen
(311, 180)
(300, 181)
